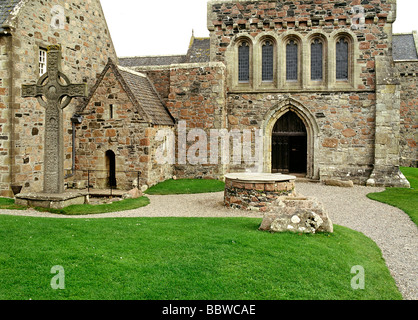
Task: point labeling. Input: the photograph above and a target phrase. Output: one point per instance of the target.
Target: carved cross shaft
(54, 92)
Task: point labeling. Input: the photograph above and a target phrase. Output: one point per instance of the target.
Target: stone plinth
(297, 214)
(53, 201)
(256, 191)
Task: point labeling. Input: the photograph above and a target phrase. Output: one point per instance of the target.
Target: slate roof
(6, 6)
(199, 50)
(151, 60)
(147, 97)
(141, 92)
(404, 47)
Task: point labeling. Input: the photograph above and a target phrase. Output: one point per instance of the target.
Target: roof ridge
(137, 73)
(154, 56)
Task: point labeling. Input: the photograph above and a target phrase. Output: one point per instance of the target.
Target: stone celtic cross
(54, 92)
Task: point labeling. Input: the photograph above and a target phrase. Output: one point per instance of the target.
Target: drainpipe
(75, 119)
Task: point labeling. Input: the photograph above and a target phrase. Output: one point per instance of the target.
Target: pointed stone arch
(312, 128)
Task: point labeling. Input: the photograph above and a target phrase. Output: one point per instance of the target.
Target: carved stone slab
(54, 92)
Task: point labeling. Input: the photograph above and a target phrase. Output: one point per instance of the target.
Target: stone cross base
(52, 201)
(297, 214)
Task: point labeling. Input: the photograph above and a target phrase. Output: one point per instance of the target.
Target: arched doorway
(289, 145)
(309, 124)
(111, 168)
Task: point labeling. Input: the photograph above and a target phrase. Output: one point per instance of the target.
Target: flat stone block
(259, 186)
(249, 186)
(52, 201)
(339, 183)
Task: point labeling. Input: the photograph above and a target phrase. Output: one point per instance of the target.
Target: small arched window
(342, 56)
(292, 61)
(267, 61)
(317, 57)
(244, 62)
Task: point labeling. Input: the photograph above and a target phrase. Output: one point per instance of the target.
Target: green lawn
(184, 258)
(187, 186)
(117, 206)
(402, 198)
(9, 204)
(83, 209)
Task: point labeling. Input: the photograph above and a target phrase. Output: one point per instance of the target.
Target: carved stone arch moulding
(312, 128)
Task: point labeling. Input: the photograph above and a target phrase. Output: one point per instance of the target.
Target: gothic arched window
(267, 61)
(342, 56)
(317, 60)
(244, 62)
(292, 61)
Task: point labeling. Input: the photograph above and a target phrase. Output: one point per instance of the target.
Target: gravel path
(389, 227)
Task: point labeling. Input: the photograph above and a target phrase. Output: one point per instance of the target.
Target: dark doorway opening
(111, 168)
(289, 145)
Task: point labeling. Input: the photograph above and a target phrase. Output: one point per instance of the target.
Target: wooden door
(289, 145)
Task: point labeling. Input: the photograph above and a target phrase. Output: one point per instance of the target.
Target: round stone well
(255, 191)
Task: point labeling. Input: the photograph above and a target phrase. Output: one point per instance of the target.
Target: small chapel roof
(151, 60)
(198, 51)
(146, 96)
(404, 47)
(141, 92)
(6, 7)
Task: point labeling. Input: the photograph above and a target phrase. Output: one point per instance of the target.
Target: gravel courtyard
(389, 227)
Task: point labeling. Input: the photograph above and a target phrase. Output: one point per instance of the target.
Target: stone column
(386, 171)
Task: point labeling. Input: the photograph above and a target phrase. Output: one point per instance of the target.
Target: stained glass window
(268, 63)
(244, 62)
(292, 61)
(316, 60)
(342, 59)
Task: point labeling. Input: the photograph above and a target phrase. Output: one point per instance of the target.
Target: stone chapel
(331, 88)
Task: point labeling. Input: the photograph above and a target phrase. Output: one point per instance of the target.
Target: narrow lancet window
(342, 59)
(268, 61)
(317, 60)
(244, 62)
(292, 61)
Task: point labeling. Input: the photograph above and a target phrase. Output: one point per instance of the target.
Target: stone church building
(330, 87)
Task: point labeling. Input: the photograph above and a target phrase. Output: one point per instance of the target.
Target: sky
(162, 27)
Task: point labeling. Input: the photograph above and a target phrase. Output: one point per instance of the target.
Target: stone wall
(197, 99)
(408, 75)
(254, 21)
(5, 116)
(255, 196)
(344, 143)
(126, 134)
(86, 46)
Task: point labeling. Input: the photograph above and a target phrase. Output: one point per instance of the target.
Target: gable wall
(343, 112)
(408, 73)
(86, 47)
(128, 135)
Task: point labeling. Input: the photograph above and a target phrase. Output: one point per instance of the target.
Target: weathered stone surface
(297, 214)
(52, 200)
(388, 176)
(86, 43)
(339, 183)
(133, 194)
(57, 96)
(256, 192)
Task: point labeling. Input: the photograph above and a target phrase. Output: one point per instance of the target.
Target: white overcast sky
(161, 27)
